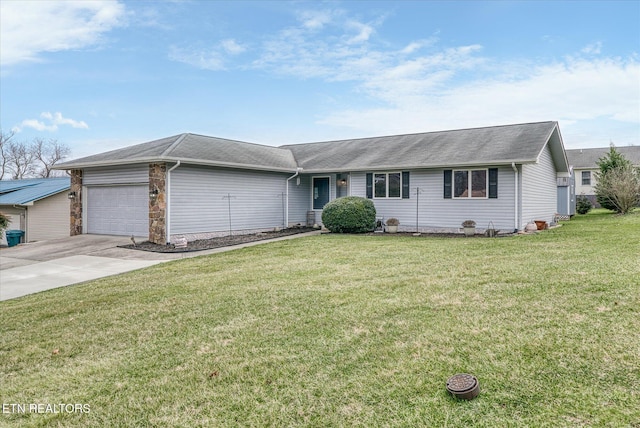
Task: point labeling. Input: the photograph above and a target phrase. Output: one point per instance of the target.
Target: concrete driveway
(39, 266)
(30, 268)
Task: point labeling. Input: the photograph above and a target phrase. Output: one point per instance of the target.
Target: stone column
(158, 203)
(75, 204)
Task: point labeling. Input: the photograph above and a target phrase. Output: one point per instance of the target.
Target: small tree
(583, 205)
(612, 160)
(619, 188)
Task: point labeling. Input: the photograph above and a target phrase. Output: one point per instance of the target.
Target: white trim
(470, 184)
(386, 173)
(515, 205)
(85, 209)
(167, 212)
(286, 207)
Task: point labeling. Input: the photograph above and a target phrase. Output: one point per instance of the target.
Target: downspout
(515, 205)
(286, 207)
(168, 210)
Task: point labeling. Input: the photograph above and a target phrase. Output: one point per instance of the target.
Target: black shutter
(447, 183)
(369, 185)
(405, 184)
(493, 183)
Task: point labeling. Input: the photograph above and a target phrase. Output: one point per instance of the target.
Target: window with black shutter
(369, 185)
(493, 183)
(447, 183)
(405, 184)
(388, 185)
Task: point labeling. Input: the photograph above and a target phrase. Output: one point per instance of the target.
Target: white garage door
(118, 210)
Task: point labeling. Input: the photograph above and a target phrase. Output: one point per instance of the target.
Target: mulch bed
(227, 241)
(222, 241)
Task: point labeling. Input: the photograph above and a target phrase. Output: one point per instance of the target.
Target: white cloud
(423, 86)
(364, 32)
(210, 59)
(575, 92)
(215, 58)
(315, 20)
(29, 28)
(592, 49)
(232, 47)
(50, 123)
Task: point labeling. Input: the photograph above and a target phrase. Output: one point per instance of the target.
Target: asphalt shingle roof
(21, 192)
(496, 145)
(588, 158)
(195, 149)
(478, 146)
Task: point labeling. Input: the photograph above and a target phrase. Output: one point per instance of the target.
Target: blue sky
(99, 75)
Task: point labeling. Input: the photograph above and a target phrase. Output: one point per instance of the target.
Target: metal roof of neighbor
(25, 192)
(588, 158)
(495, 145)
(197, 149)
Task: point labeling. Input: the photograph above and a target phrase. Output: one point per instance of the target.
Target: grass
(339, 330)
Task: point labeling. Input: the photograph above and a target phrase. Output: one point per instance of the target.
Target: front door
(320, 192)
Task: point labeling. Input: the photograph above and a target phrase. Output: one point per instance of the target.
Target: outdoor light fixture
(153, 194)
(71, 195)
(342, 182)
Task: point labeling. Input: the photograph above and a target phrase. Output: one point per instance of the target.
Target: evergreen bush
(350, 214)
(583, 205)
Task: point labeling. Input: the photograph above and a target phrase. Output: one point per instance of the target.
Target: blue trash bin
(13, 237)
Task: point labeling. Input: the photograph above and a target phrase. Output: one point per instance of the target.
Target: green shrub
(583, 205)
(351, 214)
(4, 222)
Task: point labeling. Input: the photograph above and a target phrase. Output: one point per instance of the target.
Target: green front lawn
(338, 330)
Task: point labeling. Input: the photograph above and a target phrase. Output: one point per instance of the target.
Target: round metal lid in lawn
(463, 386)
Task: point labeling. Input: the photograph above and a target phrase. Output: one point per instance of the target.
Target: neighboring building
(196, 186)
(585, 166)
(37, 206)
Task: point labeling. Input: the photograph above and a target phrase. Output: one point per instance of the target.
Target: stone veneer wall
(158, 205)
(75, 204)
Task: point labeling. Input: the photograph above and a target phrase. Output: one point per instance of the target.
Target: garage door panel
(118, 210)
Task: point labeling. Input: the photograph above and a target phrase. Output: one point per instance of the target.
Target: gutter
(168, 210)
(286, 207)
(515, 204)
(133, 161)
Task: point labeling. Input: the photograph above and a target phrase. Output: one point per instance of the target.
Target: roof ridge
(235, 141)
(420, 133)
(174, 144)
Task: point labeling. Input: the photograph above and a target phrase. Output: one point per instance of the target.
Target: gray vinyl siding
(539, 189)
(199, 199)
(434, 211)
(300, 200)
(48, 218)
(116, 175)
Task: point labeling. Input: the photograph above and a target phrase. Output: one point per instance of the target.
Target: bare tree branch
(20, 160)
(5, 140)
(48, 153)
